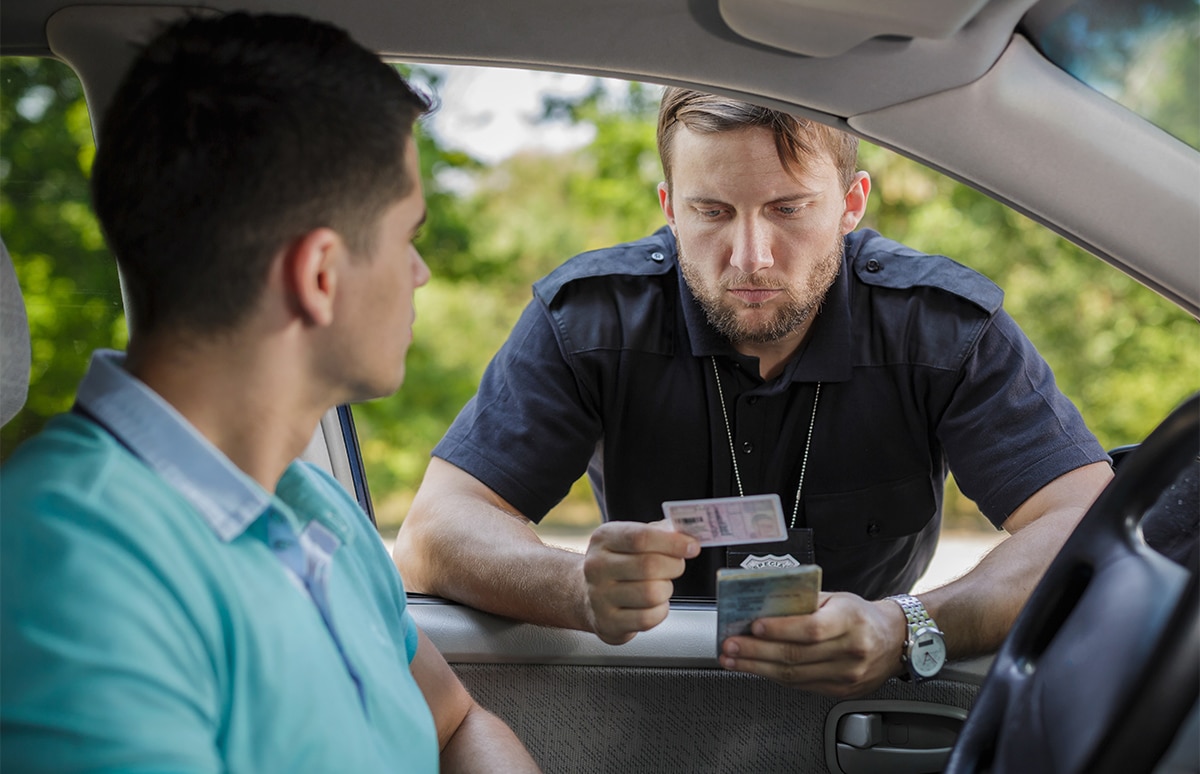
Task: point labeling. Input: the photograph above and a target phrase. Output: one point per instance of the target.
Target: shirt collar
(227, 499)
(826, 357)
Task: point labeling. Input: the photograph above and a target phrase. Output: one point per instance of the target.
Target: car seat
(15, 356)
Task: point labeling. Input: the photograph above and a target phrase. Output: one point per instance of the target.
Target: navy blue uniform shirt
(922, 372)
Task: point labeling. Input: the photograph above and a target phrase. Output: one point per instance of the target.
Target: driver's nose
(421, 273)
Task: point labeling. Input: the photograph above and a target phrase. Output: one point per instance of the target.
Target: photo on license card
(724, 521)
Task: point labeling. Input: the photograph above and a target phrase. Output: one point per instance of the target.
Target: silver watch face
(928, 652)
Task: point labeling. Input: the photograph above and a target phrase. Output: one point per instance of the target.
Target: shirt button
(752, 400)
(747, 447)
(281, 545)
(874, 266)
(872, 528)
(657, 257)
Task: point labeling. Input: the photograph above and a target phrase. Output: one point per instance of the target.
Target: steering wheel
(1103, 663)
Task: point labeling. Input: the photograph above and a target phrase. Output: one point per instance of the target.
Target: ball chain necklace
(733, 454)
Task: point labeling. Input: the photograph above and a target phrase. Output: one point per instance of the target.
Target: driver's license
(723, 521)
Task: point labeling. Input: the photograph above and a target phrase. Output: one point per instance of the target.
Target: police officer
(759, 343)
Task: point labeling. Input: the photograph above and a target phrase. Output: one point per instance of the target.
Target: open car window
(542, 166)
(570, 165)
(67, 276)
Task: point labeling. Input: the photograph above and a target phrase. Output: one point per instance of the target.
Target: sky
(492, 112)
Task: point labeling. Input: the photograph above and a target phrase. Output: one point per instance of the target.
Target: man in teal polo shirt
(178, 593)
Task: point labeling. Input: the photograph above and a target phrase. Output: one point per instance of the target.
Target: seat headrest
(15, 357)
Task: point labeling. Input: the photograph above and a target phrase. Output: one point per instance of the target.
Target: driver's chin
(377, 386)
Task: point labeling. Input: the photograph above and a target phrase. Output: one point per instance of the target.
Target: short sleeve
(1008, 430)
(532, 427)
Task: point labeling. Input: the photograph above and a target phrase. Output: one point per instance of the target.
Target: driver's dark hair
(229, 138)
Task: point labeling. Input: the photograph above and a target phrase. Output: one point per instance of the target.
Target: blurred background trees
(66, 273)
(1123, 354)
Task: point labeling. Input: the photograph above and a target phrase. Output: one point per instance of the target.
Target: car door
(661, 702)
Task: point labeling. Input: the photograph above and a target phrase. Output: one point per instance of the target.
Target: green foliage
(520, 218)
(67, 275)
(1123, 354)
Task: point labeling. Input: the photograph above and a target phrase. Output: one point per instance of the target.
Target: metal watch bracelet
(924, 651)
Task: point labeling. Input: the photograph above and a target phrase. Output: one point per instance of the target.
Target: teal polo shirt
(160, 611)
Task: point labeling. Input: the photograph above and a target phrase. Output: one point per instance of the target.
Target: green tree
(1125, 355)
(524, 216)
(1122, 353)
(66, 273)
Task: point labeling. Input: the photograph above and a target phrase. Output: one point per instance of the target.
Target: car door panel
(660, 703)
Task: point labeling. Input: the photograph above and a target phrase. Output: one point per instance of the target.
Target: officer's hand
(847, 648)
(628, 572)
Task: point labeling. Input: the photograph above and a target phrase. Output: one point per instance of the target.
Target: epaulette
(882, 262)
(649, 256)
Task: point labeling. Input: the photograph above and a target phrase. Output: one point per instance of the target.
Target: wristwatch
(924, 651)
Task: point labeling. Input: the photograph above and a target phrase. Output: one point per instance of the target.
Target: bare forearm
(455, 547)
(483, 743)
(463, 541)
(976, 611)
(471, 739)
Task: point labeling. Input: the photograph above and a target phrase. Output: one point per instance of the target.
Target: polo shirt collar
(227, 499)
(825, 358)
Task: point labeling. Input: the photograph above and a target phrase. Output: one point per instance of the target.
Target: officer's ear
(856, 202)
(664, 202)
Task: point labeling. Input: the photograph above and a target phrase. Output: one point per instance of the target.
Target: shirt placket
(307, 557)
(749, 442)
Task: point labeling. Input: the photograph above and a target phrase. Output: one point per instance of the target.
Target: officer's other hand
(847, 648)
(628, 573)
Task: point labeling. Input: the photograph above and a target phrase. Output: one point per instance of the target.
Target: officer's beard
(735, 319)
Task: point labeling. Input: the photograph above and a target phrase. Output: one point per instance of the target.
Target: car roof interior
(931, 83)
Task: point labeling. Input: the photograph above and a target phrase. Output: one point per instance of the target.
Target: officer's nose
(751, 247)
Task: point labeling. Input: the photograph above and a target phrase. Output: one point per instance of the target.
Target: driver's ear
(310, 272)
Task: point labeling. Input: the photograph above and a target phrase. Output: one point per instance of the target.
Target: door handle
(892, 737)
